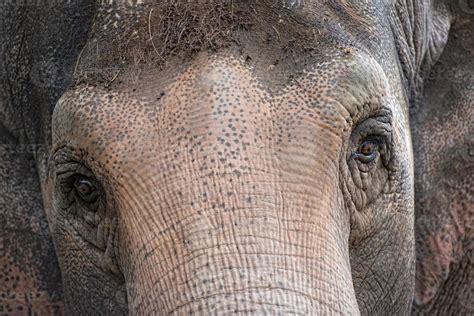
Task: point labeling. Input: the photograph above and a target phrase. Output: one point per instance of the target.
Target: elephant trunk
(236, 244)
(233, 206)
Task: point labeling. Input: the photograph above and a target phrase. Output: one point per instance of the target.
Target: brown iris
(367, 151)
(368, 148)
(86, 190)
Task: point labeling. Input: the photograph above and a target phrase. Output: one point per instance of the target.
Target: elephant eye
(368, 150)
(86, 189)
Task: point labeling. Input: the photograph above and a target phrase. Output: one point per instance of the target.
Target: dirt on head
(148, 35)
(165, 34)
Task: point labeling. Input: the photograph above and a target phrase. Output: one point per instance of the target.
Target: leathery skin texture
(246, 158)
(231, 197)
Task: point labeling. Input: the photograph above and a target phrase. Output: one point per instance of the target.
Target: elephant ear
(30, 281)
(443, 143)
(39, 43)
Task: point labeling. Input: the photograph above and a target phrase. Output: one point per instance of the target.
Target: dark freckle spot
(162, 94)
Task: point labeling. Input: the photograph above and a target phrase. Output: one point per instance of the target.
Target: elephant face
(266, 169)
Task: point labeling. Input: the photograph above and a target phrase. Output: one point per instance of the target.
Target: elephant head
(238, 157)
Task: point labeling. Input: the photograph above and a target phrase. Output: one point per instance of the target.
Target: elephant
(236, 157)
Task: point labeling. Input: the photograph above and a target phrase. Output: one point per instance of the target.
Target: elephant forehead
(160, 33)
(219, 101)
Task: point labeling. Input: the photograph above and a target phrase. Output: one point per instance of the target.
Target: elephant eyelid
(376, 129)
(376, 126)
(67, 161)
(65, 155)
(69, 170)
(369, 111)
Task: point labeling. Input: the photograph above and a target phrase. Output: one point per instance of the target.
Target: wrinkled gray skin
(238, 158)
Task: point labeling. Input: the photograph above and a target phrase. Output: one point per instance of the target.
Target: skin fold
(269, 157)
